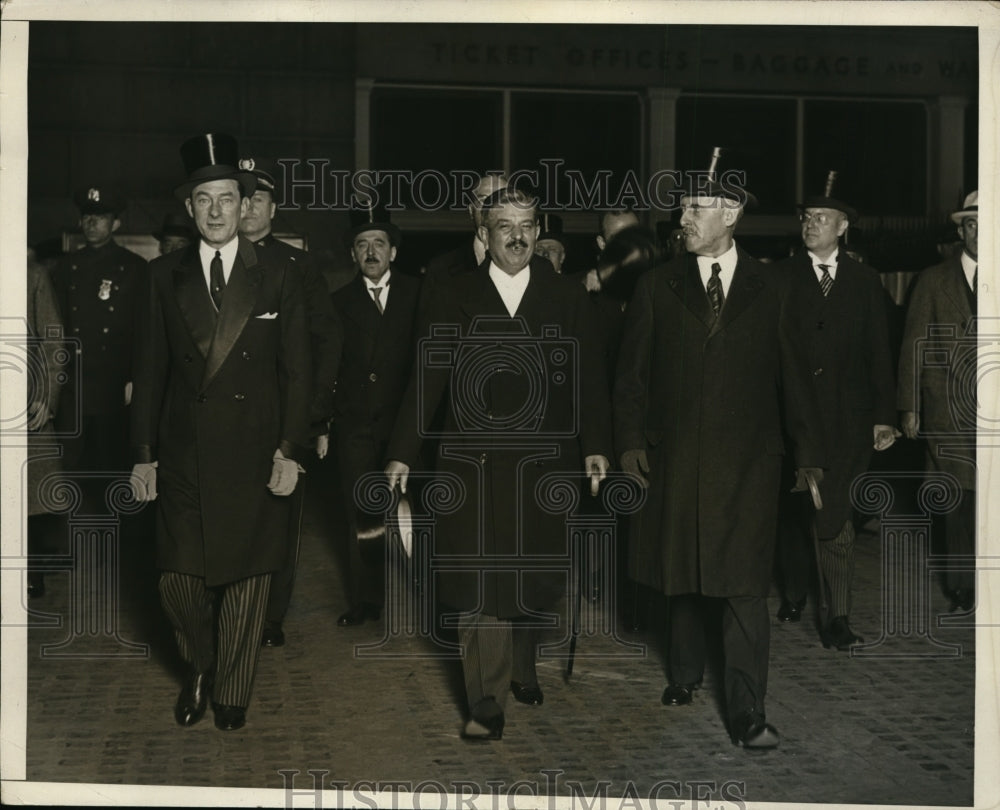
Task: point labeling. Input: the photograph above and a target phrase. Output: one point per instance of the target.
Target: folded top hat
(98, 200)
(175, 225)
(213, 156)
(970, 208)
(262, 170)
(551, 228)
(729, 187)
(368, 214)
(827, 200)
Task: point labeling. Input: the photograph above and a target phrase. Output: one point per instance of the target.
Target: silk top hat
(98, 200)
(213, 156)
(175, 225)
(827, 200)
(368, 214)
(970, 208)
(730, 186)
(551, 228)
(263, 171)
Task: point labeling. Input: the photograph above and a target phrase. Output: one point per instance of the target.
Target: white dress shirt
(727, 261)
(969, 266)
(228, 253)
(383, 283)
(511, 288)
(831, 264)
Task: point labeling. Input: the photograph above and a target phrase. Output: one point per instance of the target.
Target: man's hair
(509, 196)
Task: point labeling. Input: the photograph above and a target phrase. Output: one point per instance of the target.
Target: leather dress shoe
(229, 718)
(193, 699)
(36, 584)
(490, 728)
(963, 599)
(679, 694)
(751, 731)
(839, 634)
(790, 611)
(359, 613)
(272, 636)
(529, 695)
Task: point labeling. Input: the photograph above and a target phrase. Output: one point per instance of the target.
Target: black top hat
(709, 184)
(551, 228)
(263, 171)
(213, 156)
(175, 225)
(98, 200)
(827, 200)
(369, 215)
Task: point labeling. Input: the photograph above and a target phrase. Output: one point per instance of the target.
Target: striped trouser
(191, 608)
(836, 559)
(495, 652)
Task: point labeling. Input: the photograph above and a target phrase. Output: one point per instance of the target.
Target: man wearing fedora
(707, 376)
(97, 289)
(936, 391)
(377, 308)
(219, 417)
(837, 311)
(175, 233)
(325, 336)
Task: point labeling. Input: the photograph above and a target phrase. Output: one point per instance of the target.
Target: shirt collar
(969, 267)
(227, 251)
(382, 282)
(727, 261)
(515, 282)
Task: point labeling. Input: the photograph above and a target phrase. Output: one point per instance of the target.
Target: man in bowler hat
(219, 418)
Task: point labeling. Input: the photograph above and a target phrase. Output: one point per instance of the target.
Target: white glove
(597, 469)
(284, 475)
(397, 472)
(143, 481)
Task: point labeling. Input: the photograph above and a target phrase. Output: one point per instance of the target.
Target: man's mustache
(516, 242)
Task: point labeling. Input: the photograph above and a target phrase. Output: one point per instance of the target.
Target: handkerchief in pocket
(267, 316)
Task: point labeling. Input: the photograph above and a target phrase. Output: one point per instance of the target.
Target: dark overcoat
(215, 396)
(525, 400)
(846, 341)
(937, 373)
(704, 398)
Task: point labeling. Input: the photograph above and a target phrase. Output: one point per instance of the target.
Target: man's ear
(273, 210)
(116, 225)
(842, 227)
(187, 205)
(484, 234)
(392, 254)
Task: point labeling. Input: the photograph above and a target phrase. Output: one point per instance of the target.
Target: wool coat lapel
(237, 304)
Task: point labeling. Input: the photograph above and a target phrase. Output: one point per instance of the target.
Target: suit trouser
(960, 539)
(792, 551)
(746, 639)
(494, 653)
(234, 613)
(836, 561)
(283, 579)
(360, 452)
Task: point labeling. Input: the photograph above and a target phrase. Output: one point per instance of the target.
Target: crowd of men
(742, 399)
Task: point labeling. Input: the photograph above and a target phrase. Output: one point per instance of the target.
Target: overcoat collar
(956, 287)
(746, 283)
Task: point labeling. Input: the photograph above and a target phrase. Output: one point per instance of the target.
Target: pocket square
(267, 316)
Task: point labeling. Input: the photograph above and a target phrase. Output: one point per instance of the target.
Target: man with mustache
(503, 445)
(377, 309)
(704, 373)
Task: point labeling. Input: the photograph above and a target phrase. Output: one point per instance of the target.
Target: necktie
(975, 280)
(826, 282)
(715, 294)
(217, 279)
(377, 295)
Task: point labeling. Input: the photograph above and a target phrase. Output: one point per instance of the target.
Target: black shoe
(229, 718)
(193, 699)
(839, 634)
(530, 695)
(273, 636)
(359, 613)
(791, 611)
(678, 694)
(751, 731)
(490, 728)
(36, 584)
(963, 599)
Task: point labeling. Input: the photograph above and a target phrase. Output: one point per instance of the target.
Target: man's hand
(808, 478)
(597, 469)
(592, 281)
(885, 436)
(322, 445)
(635, 463)
(38, 415)
(284, 475)
(397, 472)
(911, 424)
(128, 393)
(143, 481)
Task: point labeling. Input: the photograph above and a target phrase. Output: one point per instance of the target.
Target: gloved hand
(910, 424)
(322, 445)
(803, 476)
(284, 474)
(885, 436)
(143, 481)
(397, 472)
(635, 463)
(597, 469)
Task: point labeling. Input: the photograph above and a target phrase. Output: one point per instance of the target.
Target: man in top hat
(503, 459)
(219, 418)
(377, 307)
(551, 242)
(98, 289)
(325, 334)
(707, 378)
(837, 311)
(937, 397)
(175, 233)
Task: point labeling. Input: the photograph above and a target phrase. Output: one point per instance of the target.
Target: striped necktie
(826, 282)
(377, 295)
(714, 289)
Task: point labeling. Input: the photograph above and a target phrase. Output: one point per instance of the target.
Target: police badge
(105, 292)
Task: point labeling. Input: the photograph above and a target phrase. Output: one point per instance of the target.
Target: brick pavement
(854, 730)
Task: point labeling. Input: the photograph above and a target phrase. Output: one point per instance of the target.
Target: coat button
(76, 329)
(105, 330)
(74, 307)
(817, 372)
(187, 358)
(819, 325)
(239, 396)
(111, 309)
(202, 397)
(246, 355)
(482, 458)
(373, 376)
(73, 286)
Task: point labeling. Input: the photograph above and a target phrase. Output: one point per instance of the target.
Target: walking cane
(824, 604)
(576, 612)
